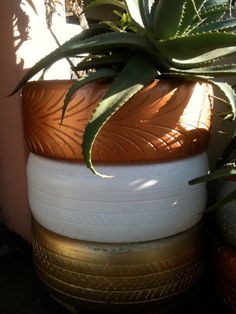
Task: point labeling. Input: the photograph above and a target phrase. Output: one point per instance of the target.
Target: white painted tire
(226, 215)
(140, 203)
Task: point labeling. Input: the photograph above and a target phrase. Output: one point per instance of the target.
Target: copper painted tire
(140, 203)
(167, 120)
(119, 274)
(226, 274)
(226, 215)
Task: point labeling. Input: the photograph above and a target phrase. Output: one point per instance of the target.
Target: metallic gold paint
(117, 274)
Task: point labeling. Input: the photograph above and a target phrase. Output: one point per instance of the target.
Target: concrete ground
(22, 293)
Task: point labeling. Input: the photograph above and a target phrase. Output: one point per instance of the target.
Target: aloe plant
(182, 39)
(224, 168)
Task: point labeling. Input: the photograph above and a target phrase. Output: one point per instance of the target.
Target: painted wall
(24, 38)
(13, 154)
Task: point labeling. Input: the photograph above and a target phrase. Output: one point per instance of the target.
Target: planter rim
(167, 120)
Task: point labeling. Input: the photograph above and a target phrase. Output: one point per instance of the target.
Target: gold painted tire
(133, 274)
(168, 120)
(226, 274)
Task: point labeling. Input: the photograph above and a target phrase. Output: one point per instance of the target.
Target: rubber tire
(140, 203)
(167, 120)
(225, 272)
(130, 274)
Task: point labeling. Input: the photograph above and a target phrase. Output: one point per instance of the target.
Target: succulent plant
(225, 168)
(182, 39)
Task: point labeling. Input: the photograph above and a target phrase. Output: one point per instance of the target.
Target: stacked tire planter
(226, 250)
(133, 240)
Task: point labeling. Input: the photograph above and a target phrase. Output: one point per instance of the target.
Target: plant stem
(50, 10)
(68, 59)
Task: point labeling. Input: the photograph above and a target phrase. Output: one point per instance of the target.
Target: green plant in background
(182, 39)
(224, 168)
(123, 23)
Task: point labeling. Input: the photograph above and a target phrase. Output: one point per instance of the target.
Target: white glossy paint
(140, 203)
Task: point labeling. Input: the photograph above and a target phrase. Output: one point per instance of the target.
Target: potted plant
(185, 45)
(131, 108)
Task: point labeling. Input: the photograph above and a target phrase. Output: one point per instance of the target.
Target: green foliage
(219, 174)
(183, 39)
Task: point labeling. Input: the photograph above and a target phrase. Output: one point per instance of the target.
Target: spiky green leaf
(100, 43)
(145, 7)
(134, 12)
(213, 13)
(222, 26)
(204, 59)
(219, 70)
(97, 62)
(217, 2)
(90, 77)
(229, 93)
(130, 80)
(194, 46)
(167, 18)
(191, 10)
(217, 174)
(214, 175)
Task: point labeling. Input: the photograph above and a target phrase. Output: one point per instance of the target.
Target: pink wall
(13, 195)
(24, 39)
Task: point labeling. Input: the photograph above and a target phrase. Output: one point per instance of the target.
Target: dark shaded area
(20, 290)
(22, 293)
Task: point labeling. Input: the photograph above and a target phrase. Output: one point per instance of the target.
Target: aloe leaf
(96, 3)
(153, 9)
(91, 77)
(225, 26)
(97, 44)
(191, 10)
(213, 13)
(217, 174)
(134, 12)
(193, 27)
(217, 13)
(145, 7)
(186, 76)
(167, 18)
(193, 46)
(206, 58)
(138, 72)
(217, 2)
(103, 61)
(219, 70)
(228, 92)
